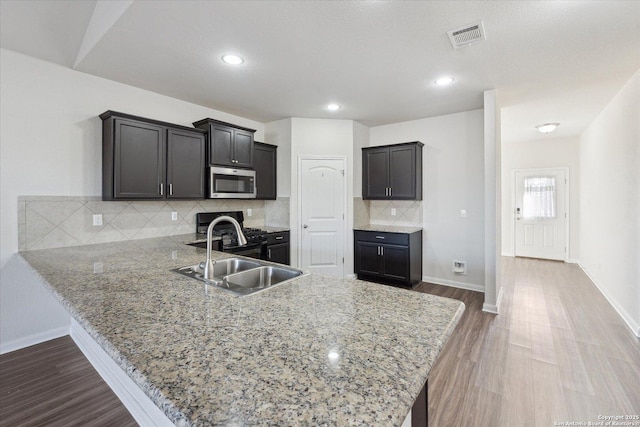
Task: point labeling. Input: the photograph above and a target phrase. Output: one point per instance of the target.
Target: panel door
(540, 214)
(185, 164)
(367, 258)
(220, 146)
(376, 173)
(243, 148)
(402, 172)
(395, 262)
(139, 150)
(322, 188)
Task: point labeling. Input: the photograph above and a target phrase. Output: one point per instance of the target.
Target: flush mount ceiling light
(333, 107)
(547, 127)
(232, 59)
(444, 81)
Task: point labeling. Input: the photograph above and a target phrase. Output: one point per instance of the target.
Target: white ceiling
(558, 61)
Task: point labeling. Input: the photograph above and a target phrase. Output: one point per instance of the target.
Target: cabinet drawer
(382, 237)
(281, 237)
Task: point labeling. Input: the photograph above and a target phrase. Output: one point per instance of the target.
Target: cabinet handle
(378, 250)
(279, 237)
(390, 191)
(380, 237)
(171, 189)
(269, 253)
(382, 250)
(161, 189)
(386, 191)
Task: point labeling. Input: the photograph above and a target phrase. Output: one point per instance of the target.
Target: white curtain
(539, 199)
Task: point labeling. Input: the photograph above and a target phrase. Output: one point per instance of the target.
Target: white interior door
(322, 190)
(541, 213)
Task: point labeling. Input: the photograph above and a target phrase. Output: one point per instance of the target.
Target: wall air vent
(467, 35)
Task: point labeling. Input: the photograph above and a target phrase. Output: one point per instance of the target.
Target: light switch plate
(97, 220)
(393, 211)
(463, 213)
(249, 212)
(174, 216)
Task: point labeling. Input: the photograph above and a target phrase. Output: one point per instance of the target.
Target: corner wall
(610, 202)
(453, 180)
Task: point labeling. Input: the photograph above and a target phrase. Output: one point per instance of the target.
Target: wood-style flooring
(53, 384)
(557, 352)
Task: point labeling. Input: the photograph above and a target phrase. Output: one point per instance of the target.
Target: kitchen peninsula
(316, 351)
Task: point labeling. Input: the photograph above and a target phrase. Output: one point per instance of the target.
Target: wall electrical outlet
(463, 213)
(249, 212)
(393, 211)
(97, 220)
(459, 267)
(174, 216)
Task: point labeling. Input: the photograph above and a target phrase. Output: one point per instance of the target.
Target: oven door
(251, 250)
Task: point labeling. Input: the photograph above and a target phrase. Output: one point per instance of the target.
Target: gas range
(256, 238)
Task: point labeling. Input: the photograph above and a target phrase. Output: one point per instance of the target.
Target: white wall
(50, 144)
(541, 153)
(453, 165)
(279, 133)
(317, 137)
(610, 202)
(360, 140)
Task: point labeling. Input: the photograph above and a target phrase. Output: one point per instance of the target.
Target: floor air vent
(467, 35)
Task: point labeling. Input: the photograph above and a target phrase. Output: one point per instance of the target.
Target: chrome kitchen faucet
(208, 264)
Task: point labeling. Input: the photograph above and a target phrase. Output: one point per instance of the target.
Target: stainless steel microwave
(230, 183)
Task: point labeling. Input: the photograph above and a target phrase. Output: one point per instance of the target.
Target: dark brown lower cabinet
(390, 258)
(278, 248)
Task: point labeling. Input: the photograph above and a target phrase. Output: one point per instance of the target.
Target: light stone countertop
(388, 228)
(316, 351)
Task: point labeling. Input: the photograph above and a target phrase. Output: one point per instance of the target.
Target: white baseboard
(630, 321)
(491, 308)
(33, 339)
(509, 253)
(573, 261)
(143, 410)
(453, 284)
(351, 276)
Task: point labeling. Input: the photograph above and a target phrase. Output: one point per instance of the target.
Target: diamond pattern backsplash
(277, 212)
(408, 213)
(52, 222)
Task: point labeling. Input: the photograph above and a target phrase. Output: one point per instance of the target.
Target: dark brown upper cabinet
(229, 145)
(265, 164)
(145, 159)
(392, 172)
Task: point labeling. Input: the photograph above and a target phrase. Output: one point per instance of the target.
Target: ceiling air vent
(467, 35)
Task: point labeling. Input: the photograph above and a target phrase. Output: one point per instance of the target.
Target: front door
(322, 215)
(540, 213)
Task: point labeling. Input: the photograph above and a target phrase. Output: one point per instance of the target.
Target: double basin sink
(242, 276)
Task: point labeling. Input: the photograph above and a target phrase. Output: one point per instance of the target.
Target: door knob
(305, 226)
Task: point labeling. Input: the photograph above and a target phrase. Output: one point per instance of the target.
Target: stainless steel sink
(241, 276)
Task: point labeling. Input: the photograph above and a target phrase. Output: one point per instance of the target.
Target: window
(539, 197)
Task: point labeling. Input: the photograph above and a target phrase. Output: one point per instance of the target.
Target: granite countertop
(316, 351)
(388, 228)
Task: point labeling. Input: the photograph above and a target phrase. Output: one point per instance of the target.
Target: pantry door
(540, 213)
(322, 197)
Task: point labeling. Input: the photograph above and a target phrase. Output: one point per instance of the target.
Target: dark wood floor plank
(53, 384)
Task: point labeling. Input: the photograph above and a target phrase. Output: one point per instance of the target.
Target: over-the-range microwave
(231, 183)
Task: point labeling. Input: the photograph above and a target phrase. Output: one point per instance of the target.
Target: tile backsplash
(277, 212)
(407, 212)
(51, 221)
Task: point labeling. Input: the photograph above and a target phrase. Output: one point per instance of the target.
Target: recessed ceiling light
(333, 107)
(232, 59)
(444, 81)
(547, 127)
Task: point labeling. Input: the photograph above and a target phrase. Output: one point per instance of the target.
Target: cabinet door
(139, 150)
(402, 172)
(395, 262)
(367, 258)
(278, 253)
(221, 146)
(375, 167)
(243, 148)
(264, 163)
(185, 164)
